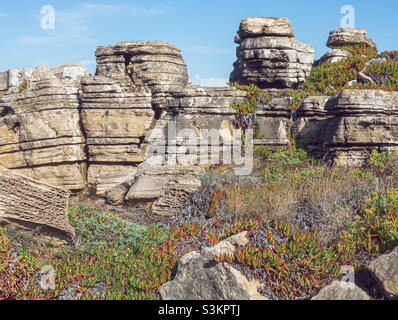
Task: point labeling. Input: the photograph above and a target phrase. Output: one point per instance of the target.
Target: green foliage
(293, 268)
(254, 96)
(376, 229)
(23, 86)
(17, 276)
(380, 159)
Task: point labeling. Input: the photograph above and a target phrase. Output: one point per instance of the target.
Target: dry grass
(324, 200)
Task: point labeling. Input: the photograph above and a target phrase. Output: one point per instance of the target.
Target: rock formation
(339, 38)
(349, 37)
(345, 126)
(40, 132)
(269, 56)
(34, 205)
(73, 130)
(200, 277)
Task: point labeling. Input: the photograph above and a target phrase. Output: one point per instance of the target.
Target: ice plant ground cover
(290, 254)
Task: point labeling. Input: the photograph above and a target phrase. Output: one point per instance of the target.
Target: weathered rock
(146, 63)
(260, 26)
(349, 36)
(333, 56)
(40, 133)
(200, 277)
(34, 205)
(338, 127)
(341, 290)
(385, 270)
(269, 56)
(166, 186)
(115, 120)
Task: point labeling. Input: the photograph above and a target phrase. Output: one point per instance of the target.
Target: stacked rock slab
(340, 38)
(115, 120)
(347, 125)
(269, 56)
(34, 205)
(209, 118)
(349, 37)
(40, 133)
(147, 63)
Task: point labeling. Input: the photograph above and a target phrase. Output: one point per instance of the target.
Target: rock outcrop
(146, 63)
(166, 187)
(333, 56)
(199, 277)
(34, 205)
(349, 37)
(40, 132)
(269, 56)
(347, 125)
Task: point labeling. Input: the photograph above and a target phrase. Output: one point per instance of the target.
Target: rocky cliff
(73, 130)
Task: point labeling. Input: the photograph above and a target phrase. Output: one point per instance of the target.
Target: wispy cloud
(210, 82)
(209, 50)
(73, 24)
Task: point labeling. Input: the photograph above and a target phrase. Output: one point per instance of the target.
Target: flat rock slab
(349, 37)
(34, 205)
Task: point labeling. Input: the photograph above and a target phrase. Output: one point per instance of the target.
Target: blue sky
(204, 30)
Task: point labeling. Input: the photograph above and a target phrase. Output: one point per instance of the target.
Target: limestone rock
(34, 205)
(199, 277)
(40, 133)
(115, 120)
(385, 270)
(166, 186)
(349, 36)
(341, 290)
(146, 63)
(333, 56)
(269, 56)
(260, 26)
(338, 126)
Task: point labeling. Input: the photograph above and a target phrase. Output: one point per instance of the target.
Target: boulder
(385, 271)
(34, 205)
(166, 187)
(333, 56)
(349, 37)
(341, 290)
(199, 277)
(261, 26)
(269, 56)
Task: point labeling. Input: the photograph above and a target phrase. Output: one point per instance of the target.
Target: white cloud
(210, 82)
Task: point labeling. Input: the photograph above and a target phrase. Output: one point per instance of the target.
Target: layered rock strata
(349, 37)
(269, 56)
(34, 205)
(346, 126)
(40, 132)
